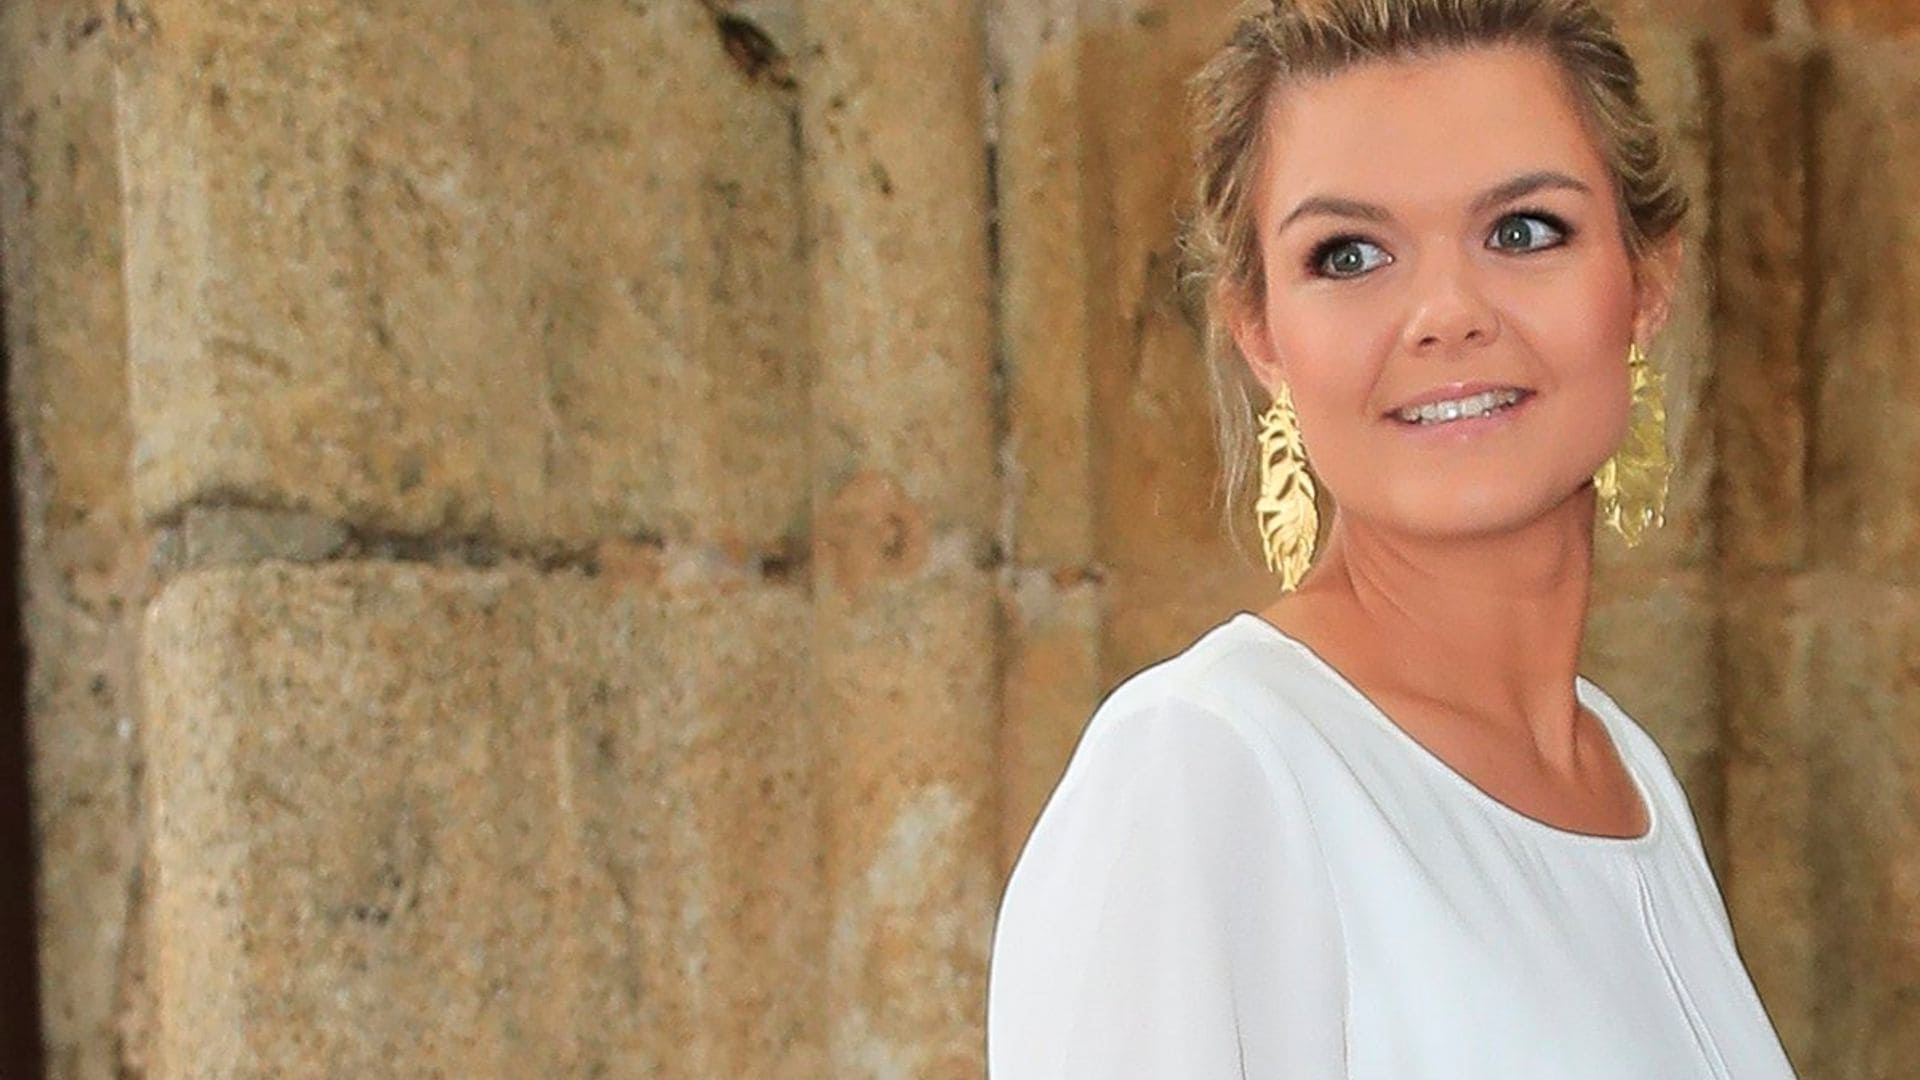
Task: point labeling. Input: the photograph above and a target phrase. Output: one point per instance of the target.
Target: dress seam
(1689, 1010)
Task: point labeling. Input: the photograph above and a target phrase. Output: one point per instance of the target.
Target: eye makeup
(1552, 220)
(1315, 260)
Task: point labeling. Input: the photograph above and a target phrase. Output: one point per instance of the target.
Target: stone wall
(575, 540)
(84, 573)
(1821, 416)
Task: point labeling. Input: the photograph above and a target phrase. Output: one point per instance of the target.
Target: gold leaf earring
(1288, 519)
(1632, 485)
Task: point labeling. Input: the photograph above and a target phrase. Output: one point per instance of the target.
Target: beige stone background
(573, 539)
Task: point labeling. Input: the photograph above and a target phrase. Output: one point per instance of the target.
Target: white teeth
(1440, 412)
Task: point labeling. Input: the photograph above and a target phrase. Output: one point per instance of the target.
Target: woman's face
(1432, 229)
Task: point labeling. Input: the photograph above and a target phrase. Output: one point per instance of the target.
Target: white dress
(1248, 871)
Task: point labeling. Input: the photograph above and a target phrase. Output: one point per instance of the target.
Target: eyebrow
(1524, 184)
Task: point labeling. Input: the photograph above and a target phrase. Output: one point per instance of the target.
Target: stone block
(892, 115)
(1721, 17)
(1052, 685)
(1761, 334)
(907, 705)
(1822, 818)
(83, 715)
(1169, 566)
(1865, 16)
(1772, 803)
(1863, 846)
(1155, 611)
(81, 567)
(1866, 445)
(907, 506)
(1043, 282)
(60, 207)
(412, 820)
(525, 273)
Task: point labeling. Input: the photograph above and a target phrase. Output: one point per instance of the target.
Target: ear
(1247, 321)
(1658, 278)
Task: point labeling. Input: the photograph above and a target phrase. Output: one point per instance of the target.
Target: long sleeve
(1171, 914)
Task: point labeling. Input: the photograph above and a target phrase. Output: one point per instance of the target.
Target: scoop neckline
(1588, 694)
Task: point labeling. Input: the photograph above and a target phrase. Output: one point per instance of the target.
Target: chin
(1476, 511)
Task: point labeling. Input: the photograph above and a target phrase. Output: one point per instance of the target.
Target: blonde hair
(1280, 42)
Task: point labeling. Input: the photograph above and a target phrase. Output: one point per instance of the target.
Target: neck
(1490, 624)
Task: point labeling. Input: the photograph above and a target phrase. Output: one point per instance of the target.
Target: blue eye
(1521, 231)
(1343, 257)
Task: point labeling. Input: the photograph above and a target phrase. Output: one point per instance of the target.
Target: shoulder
(1172, 885)
(1242, 672)
(1171, 765)
(1228, 700)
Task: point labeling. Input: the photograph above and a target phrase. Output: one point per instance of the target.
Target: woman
(1382, 828)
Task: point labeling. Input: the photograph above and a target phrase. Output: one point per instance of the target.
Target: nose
(1449, 311)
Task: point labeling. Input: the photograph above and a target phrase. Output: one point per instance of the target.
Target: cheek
(1331, 396)
(1332, 392)
(1590, 419)
(1586, 350)
(1334, 358)
(1333, 350)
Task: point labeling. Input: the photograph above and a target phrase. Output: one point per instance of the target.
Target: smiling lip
(1452, 391)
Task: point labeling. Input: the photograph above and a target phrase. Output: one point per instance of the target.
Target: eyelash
(1326, 247)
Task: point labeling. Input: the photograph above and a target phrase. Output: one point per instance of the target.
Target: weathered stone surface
(1822, 819)
(1762, 383)
(1872, 16)
(1052, 684)
(1773, 801)
(416, 821)
(218, 535)
(1157, 535)
(1674, 84)
(1862, 849)
(906, 706)
(84, 710)
(902, 310)
(871, 532)
(1156, 611)
(1652, 644)
(1043, 282)
(905, 621)
(82, 567)
(1721, 17)
(1866, 446)
(477, 270)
